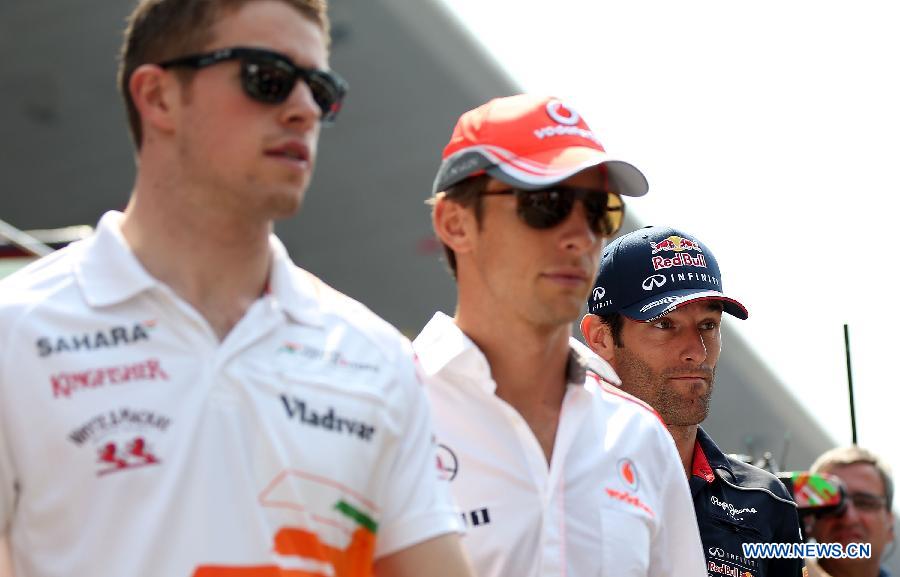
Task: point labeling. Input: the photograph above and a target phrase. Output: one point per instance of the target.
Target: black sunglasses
(270, 77)
(548, 207)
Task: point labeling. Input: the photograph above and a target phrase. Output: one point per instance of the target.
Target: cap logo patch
(464, 166)
(675, 243)
(564, 124)
(562, 114)
(656, 303)
(599, 293)
(680, 259)
(654, 281)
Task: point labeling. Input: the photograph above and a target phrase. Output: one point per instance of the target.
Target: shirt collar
(576, 368)
(109, 273)
(707, 456)
(594, 362)
(442, 346)
(700, 465)
(301, 294)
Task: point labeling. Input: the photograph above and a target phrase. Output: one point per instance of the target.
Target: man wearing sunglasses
(176, 397)
(655, 314)
(867, 518)
(555, 471)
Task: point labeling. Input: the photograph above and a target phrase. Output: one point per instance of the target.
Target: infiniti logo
(717, 552)
(562, 114)
(599, 293)
(654, 281)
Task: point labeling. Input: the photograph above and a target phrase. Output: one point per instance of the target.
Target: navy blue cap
(650, 272)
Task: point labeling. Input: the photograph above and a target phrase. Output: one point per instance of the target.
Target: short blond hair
(851, 455)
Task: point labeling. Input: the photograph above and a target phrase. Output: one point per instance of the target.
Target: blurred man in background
(868, 517)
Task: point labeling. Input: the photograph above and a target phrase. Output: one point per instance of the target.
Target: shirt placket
(549, 481)
(262, 317)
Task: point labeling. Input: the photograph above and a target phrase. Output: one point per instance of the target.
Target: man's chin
(559, 313)
(286, 205)
(686, 418)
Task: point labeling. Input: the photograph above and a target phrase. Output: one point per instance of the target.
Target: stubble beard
(652, 387)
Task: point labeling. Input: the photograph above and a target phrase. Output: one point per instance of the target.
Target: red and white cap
(529, 142)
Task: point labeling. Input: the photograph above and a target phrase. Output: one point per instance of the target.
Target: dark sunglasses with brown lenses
(547, 207)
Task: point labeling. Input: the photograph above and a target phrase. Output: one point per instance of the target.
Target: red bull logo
(724, 569)
(680, 259)
(676, 244)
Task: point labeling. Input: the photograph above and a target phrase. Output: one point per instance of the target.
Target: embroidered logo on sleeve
(629, 478)
(447, 463)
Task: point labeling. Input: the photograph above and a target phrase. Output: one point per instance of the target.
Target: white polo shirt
(134, 442)
(614, 501)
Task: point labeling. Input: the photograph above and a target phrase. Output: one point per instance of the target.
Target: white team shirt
(134, 442)
(614, 501)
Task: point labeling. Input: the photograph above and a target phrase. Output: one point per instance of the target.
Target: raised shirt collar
(708, 456)
(442, 346)
(109, 273)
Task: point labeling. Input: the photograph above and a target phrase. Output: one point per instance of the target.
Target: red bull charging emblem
(676, 244)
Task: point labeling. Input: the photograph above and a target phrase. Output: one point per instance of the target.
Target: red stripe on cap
(537, 169)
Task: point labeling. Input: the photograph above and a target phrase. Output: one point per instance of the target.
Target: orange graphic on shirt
(354, 561)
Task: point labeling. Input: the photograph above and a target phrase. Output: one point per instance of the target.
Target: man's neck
(217, 263)
(528, 364)
(685, 440)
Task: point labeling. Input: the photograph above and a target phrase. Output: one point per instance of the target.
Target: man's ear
(598, 336)
(454, 224)
(155, 94)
